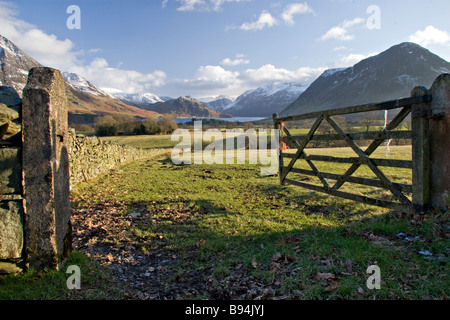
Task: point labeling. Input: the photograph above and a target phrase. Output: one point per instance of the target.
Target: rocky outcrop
(10, 116)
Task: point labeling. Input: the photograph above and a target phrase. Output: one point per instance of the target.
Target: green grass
(52, 285)
(397, 175)
(240, 218)
(234, 226)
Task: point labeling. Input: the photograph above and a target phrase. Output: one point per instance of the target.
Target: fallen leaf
(333, 286)
(200, 243)
(289, 240)
(324, 276)
(327, 262)
(349, 265)
(288, 259)
(276, 257)
(274, 267)
(110, 257)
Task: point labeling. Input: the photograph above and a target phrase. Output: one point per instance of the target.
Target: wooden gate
(418, 105)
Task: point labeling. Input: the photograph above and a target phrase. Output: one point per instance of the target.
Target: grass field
(230, 233)
(144, 141)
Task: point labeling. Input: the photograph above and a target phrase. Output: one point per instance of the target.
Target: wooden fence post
(440, 143)
(420, 152)
(280, 159)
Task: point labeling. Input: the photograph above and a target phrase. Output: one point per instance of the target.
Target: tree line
(112, 125)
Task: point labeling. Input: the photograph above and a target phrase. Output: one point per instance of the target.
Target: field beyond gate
(226, 232)
(418, 191)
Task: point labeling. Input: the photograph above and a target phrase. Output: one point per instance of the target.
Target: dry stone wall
(11, 192)
(90, 156)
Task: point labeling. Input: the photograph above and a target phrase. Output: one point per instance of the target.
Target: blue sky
(208, 48)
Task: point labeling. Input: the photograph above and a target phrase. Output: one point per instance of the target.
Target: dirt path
(100, 232)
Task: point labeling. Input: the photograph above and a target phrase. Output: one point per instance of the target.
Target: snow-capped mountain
(139, 98)
(265, 101)
(218, 103)
(390, 75)
(14, 65)
(84, 85)
(83, 97)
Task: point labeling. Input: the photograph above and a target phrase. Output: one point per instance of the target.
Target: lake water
(237, 119)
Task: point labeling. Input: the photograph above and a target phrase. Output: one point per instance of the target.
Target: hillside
(14, 65)
(84, 99)
(185, 107)
(265, 101)
(390, 75)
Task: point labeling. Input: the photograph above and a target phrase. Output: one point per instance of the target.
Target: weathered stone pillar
(440, 142)
(46, 169)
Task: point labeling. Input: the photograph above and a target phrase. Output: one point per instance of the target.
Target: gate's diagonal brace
(366, 160)
(375, 144)
(301, 153)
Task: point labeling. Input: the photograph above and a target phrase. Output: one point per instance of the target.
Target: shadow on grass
(198, 250)
(261, 241)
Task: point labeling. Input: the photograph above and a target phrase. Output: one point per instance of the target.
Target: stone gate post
(46, 170)
(439, 128)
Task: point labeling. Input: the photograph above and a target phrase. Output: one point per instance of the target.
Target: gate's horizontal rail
(389, 105)
(406, 164)
(349, 196)
(386, 135)
(351, 179)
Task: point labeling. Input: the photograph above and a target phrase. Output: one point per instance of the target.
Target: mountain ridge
(266, 100)
(185, 107)
(389, 75)
(83, 97)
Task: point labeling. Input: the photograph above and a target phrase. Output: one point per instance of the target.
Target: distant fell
(185, 107)
(387, 76)
(83, 97)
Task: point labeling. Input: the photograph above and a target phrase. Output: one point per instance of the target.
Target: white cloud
(203, 5)
(265, 20)
(341, 48)
(294, 8)
(45, 48)
(270, 73)
(208, 81)
(215, 74)
(352, 59)
(342, 31)
(430, 35)
(129, 81)
(235, 62)
(215, 80)
(190, 5)
(53, 52)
